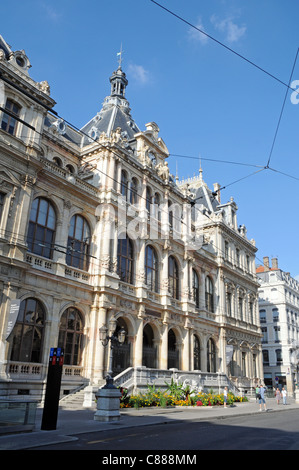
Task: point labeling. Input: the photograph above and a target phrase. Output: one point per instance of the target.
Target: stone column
(138, 344)
(185, 353)
(164, 348)
(97, 350)
(222, 350)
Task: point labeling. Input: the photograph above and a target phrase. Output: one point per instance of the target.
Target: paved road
(261, 431)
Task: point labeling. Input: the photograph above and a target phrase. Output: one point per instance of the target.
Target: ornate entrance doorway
(122, 352)
(149, 351)
(173, 353)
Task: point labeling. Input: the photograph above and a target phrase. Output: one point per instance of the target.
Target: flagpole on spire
(119, 55)
(200, 168)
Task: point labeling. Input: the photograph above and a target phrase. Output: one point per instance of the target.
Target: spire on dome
(118, 78)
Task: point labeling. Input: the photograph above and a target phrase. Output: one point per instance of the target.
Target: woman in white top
(284, 396)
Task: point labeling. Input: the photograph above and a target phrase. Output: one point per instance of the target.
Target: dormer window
(10, 117)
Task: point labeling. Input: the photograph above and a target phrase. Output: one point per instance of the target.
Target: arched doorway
(211, 356)
(121, 353)
(71, 335)
(173, 353)
(149, 351)
(196, 353)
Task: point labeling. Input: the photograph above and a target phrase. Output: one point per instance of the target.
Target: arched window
(41, 231)
(211, 356)
(78, 243)
(133, 191)
(10, 118)
(151, 268)
(196, 353)
(209, 294)
(70, 168)
(28, 332)
(195, 287)
(71, 335)
(124, 184)
(125, 260)
(173, 277)
(58, 161)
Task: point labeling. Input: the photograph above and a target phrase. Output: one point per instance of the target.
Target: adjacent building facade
(279, 318)
(93, 227)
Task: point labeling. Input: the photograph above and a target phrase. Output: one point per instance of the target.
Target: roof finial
(200, 169)
(119, 54)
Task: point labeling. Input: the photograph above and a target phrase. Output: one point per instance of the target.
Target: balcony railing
(44, 264)
(33, 371)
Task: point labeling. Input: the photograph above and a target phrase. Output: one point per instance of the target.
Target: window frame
(152, 280)
(10, 116)
(81, 253)
(195, 288)
(71, 338)
(125, 256)
(28, 331)
(173, 278)
(209, 294)
(48, 233)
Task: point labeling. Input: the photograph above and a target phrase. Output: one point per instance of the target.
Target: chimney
(274, 263)
(266, 263)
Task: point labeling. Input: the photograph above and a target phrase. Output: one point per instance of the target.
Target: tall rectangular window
(9, 119)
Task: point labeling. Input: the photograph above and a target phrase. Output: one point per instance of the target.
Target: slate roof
(114, 113)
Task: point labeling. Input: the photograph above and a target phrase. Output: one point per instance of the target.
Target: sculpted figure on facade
(163, 171)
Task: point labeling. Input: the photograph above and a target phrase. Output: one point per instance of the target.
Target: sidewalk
(73, 422)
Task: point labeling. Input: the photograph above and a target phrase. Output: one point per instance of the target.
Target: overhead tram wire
(224, 45)
(86, 135)
(104, 147)
(55, 113)
(216, 160)
(282, 109)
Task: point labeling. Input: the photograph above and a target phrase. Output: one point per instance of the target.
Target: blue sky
(208, 102)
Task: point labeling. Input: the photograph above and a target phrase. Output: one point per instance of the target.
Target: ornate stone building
(93, 227)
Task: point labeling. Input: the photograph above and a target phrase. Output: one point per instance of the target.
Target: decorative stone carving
(44, 87)
(116, 135)
(2, 55)
(163, 171)
(27, 180)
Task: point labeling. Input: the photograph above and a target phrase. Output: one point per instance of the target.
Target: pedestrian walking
(262, 399)
(225, 397)
(256, 392)
(284, 396)
(277, 395)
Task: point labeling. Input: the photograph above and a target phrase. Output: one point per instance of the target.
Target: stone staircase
(77, 400)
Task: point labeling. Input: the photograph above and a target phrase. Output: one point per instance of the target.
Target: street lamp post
(108, 396)
(107, 335)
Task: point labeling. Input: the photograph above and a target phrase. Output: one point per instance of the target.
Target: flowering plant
(160, 398)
